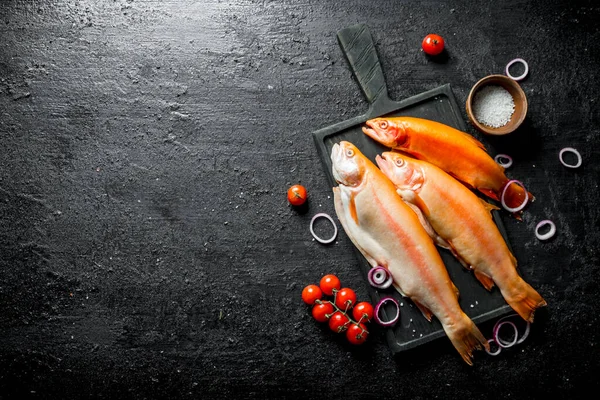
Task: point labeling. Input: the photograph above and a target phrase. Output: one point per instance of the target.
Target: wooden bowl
(518, 97)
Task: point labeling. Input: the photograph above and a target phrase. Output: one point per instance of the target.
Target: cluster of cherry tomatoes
(343, 314)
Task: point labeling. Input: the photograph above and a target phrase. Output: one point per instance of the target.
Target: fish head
(386, 131)
(402, 170)
(348, 164)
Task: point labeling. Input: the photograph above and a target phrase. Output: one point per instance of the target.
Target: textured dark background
(147, 247)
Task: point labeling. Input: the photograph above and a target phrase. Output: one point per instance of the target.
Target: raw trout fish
(454, 151)
(462, 222)
(388, 233)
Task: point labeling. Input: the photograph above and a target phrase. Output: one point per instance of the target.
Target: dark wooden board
(439, 105)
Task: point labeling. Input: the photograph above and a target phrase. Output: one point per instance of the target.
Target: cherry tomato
(357, 334)
(433, 44)
(322, 312)
(329, 283)
(363, 310)
(339, 322)
(345, 298)
(297, 195)
(311, 293)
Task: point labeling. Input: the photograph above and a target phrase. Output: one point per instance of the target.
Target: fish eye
(383, 124)
(349, 152)
(399, 162)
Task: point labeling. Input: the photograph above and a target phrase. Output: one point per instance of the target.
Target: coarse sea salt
(493, 106)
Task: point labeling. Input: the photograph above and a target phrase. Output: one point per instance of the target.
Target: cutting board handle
(358, 46)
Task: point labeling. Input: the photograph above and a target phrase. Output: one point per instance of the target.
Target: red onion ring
(525, 334)
(570, 150)
(380, 277)
(499, 158)
(519, 207)
(378, 308)
(547, 235)
(503, 343)
(493, 353)
(520, 77)
(312, 222)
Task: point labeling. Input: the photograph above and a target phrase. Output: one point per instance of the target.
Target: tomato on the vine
(363, 310)
(297, 195)
(433, 44)
(322, 312)
(345, 298)
(338, 322)
(357, 334)
(329, 283)
(311, 293)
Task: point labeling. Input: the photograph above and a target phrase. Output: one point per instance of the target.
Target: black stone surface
(148, 249)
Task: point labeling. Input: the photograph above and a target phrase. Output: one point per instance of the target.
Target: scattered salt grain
(493, 106)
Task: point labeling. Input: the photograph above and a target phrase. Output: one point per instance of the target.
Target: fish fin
(456, 291)
(339, 209)
(492, 194)
(485, 280)
(489, 206)
(473, 140)
(518, 215)
(437, 239)
(466, 337)
(426, 311)
(513, 259)
(466, 184)
(458, 257)
(399, 290)
(525, 300)
(353, 212)
(413, 198)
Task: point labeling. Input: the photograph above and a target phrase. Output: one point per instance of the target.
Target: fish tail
(466, 337)
(523, 299)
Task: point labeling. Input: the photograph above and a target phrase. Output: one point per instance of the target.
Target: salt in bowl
(519, 99)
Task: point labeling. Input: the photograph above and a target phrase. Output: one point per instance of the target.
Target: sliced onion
(519, 207)
(570, 150)
(378, 308)
(493, 342)
(500, 157)
(312, 222)
(520, 77)
(380, 277)
(503, 343)
(525, 334)
(547, 235)
(502, 321)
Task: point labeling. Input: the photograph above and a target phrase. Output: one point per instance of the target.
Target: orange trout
(464, 224)
(388, 233)
(454, 151)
